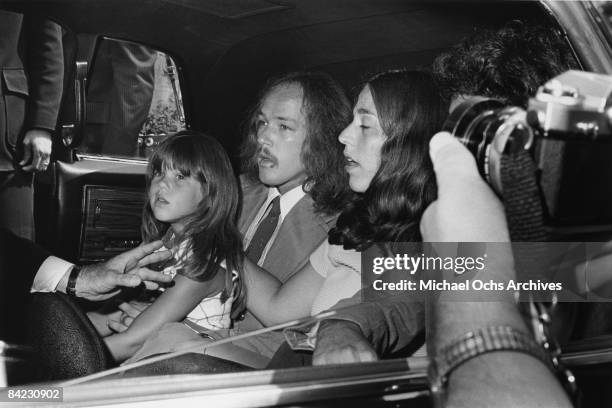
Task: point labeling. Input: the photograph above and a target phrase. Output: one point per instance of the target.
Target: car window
(133, 100)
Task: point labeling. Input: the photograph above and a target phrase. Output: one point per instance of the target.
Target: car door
(122, 99)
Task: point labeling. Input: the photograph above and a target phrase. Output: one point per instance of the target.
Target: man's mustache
(264, 154)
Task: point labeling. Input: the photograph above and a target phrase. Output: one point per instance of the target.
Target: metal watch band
(71, 285)
(475, 343)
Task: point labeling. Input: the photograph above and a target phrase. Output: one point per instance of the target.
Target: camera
(567, 129)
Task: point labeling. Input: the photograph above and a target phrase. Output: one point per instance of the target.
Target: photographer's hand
(467, 210)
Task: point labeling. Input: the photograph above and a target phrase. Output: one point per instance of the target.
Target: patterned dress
(211, 313)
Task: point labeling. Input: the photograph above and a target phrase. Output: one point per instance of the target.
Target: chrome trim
(585, 32)
(82, 156)
(589, 357)
(257, 388)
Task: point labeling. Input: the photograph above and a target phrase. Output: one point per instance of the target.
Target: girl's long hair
(210, 234)
(410, 111)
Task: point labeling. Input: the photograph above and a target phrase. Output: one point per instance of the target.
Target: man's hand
(466, 210)
(134, 262)
(341, 342)
(36, 150)
(104, 280)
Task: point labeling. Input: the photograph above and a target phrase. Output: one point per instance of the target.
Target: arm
(172, 306)
(364, 331)
(273, 302)
(46, 72)
(467, 211)
(95, 282)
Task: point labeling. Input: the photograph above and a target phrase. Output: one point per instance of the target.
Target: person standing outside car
(32, 69)
(119, 97)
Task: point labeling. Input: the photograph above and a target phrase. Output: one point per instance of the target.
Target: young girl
(193, 204)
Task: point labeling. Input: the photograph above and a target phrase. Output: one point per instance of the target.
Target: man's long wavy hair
(410, 110)
(328, 112)
(509, 63)
(210, 233)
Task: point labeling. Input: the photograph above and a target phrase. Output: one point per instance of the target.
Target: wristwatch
(71, 285)
(473, 344)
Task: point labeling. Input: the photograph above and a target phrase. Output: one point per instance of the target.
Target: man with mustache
(294, 183)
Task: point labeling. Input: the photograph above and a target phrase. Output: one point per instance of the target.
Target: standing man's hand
(36, 150)
(341, 342)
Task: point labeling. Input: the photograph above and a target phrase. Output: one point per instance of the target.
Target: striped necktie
(264, 231)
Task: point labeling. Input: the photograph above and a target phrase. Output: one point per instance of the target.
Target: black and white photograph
(306, 203)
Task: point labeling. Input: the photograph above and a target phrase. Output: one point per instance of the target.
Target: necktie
(264, 231)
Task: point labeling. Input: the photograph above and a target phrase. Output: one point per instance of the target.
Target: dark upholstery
(19, 261)
(65, 343)
(595, 319)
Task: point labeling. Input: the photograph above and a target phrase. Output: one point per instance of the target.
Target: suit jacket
(31, 80)
(119, 96)
(301, 232)
(392, 322)
(19, 262)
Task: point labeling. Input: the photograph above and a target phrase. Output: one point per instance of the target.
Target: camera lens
(489, 129)
(474, 123)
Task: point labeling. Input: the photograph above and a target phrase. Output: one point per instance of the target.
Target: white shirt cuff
(50, 274)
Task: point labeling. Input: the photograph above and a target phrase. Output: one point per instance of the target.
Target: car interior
(209, 59)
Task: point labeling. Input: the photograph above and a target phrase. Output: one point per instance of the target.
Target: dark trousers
(17, 203)
(286, 357)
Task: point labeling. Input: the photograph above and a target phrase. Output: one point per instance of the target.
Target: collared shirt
(287, 202)
(49, 274)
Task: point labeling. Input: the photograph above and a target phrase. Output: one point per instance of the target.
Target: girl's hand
(128, 311)
(100, 321)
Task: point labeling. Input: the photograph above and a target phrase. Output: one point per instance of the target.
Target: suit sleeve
(19, 262)
(391, 322)
(45, 69)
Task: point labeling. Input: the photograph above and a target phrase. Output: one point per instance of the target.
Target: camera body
(567, 128)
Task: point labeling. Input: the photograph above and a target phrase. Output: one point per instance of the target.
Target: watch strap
(476, 343)
(71, 285)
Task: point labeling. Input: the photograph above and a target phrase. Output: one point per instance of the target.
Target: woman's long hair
(410, 110)
(210, 233)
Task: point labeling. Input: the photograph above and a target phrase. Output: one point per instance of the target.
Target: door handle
(73, 133)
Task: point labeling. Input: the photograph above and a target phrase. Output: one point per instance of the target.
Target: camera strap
(522, 198)
(525, 215)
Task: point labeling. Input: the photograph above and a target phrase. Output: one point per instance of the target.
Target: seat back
(65, 343)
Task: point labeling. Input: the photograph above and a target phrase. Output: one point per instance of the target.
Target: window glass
(133, 100)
